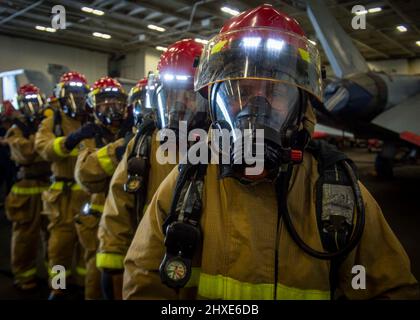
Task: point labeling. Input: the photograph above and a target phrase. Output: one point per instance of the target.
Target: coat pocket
(18, 207)
(87, 227)
(50, 204)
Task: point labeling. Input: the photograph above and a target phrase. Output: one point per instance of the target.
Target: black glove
(88, 130)
(119, 151)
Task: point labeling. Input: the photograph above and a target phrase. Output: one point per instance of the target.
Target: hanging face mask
(247, 105)
(73, 99)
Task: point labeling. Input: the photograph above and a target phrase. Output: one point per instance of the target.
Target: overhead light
(401, 28)
(93, 11)
(418, 43)
(202, 41)
(230, 11)
(375, 10)
(153, 27)
(47, 29)
(361, 12)
(371, 10)
(160, 48)
(101, 35)
(313, 42)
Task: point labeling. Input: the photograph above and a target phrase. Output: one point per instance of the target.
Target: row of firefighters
(136, 228)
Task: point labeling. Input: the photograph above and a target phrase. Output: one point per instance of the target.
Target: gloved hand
(119, 151)
(88, 130)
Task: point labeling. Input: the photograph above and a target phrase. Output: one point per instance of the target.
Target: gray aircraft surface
(368, 104)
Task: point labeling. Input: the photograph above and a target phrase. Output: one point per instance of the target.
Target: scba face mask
(176, 102)
(262, 114)
(73, 99)
(31, 106)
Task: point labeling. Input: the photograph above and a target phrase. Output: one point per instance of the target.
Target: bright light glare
(160, 48)
(374, 10)
(202, 41)
(182, 78)
(93, 11)
(230, 11)
(402, 29)
(153, 27)
(101, 35)
(168, 77)
(273, 44)
(251, 41)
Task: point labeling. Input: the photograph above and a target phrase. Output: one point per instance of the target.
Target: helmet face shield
(73, 98)
(256, 104)
(139, 100)
(179, 103)
(31, 104)
(110, 107)
(261, 53)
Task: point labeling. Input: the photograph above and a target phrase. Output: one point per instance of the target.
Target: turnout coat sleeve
(95, 167)
(141, 274)
(116, 226)
(22, 149)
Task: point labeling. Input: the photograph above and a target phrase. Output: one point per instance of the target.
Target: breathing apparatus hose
(357, 231)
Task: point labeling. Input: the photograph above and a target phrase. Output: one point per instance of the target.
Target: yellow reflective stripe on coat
(28, 190)
(58, 149)
(81, 271)
(97, 207)
(53, 274)
(195, 277)
(109, 260)
(290, 293)
(26, 274)
(58, 185)
(105, 161)
(220, 287)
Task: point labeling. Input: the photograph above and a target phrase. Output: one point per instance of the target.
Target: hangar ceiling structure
(128, 23)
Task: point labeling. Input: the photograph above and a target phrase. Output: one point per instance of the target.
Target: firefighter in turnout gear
(171, 98)
(291, 228)
(57, 141)
(24, 204)
(96, 164)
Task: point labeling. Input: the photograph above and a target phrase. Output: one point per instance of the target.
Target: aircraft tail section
(341, 52)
